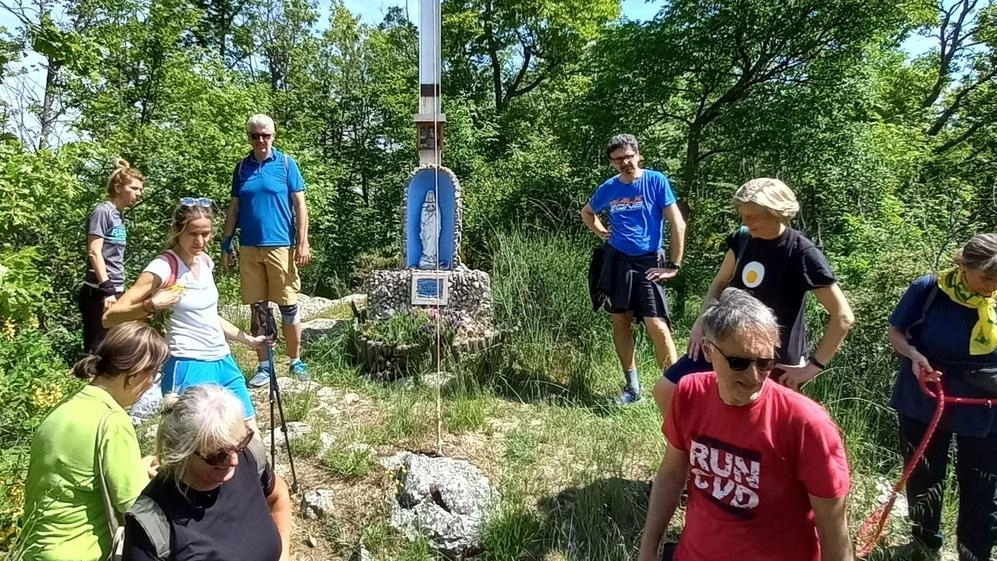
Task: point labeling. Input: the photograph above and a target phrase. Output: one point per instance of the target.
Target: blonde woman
(106, 238)
(779, 266)
(180, 280)
(66, 513)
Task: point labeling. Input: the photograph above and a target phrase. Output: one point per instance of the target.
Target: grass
(533, 415)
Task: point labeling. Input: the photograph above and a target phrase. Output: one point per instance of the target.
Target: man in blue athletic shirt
(268, 206)
(633, 266)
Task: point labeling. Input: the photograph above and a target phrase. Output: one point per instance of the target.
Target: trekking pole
(268, 325)
(872, 529)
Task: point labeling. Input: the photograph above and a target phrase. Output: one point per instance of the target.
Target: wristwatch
(672, 265)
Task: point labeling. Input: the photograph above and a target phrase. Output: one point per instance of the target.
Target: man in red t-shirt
(766, 466)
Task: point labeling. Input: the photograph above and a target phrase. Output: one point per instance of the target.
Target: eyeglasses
(218, 457)
(260, 136)
(191, 201)
(743, 363)
(621, 159)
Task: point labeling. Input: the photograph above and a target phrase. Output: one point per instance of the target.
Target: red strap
(174, 268)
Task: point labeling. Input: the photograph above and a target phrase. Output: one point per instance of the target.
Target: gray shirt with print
(105, 221)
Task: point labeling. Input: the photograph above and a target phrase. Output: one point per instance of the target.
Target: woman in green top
(66, 513)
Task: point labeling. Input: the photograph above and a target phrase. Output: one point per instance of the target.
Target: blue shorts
(182, 373)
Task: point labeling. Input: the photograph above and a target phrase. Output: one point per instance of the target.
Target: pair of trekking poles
(931, 384)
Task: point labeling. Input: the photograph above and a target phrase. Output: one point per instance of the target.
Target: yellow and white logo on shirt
(752, 274)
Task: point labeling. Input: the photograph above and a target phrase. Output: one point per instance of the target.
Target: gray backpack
(151, 518)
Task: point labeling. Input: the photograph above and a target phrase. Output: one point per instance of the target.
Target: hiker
(629, 269)
(268, 206)
(766, 465)
(779, 266)
(86, 468)
(104, 280)
(220, 497)
(947, 322)
(180, 281)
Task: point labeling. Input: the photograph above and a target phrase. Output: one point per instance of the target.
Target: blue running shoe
(299, 370)
(628, 397)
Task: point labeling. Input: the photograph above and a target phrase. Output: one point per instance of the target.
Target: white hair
(737, 312)
(260, 120)
(205, 417)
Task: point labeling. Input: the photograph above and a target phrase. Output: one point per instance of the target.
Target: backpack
(151, 518)
(928, 301)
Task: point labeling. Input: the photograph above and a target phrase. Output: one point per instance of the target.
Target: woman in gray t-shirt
(106, 238)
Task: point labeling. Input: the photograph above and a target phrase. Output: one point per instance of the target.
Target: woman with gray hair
(947, 322)
(220, 497)
(778, 265)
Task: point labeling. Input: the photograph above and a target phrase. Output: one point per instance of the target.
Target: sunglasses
(220, 456)
(739, 363)
(201, 201)
(260, 136)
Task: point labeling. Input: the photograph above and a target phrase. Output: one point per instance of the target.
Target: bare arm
(303, 252)
(898, 340)
(231, 217)
(131, 306)
(717, 286)
(233, 333)
(279, 502)
(838, 324)
(665, 493)
(95, 246)
(830, 515)
(676, 228)
(592, 222)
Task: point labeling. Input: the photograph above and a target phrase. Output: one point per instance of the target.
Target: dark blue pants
(976, 472)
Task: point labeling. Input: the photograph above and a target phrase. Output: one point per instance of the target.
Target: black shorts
(629, 290)
(91, 305)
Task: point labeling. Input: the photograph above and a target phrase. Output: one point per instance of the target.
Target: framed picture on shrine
(430, 288)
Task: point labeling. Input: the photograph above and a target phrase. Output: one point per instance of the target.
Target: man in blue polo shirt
(633, 266)
(268, 206)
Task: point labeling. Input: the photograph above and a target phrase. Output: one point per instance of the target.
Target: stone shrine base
(389, 292)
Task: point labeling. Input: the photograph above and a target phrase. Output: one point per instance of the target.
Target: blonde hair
(127, 349)
(205, 417)
(181, 217)
(122, 175)
(772, 195)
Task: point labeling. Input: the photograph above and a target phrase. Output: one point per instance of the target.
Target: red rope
(872, 529)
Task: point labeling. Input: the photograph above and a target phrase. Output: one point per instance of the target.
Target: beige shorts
(269, 273)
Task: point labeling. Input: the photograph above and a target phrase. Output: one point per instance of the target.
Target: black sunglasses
(743, 363)
(260, 136)
(219, 457)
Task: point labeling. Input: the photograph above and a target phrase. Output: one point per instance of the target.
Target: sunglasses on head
(260, 135)
(743, 363)
(201, 201)
(220, 456)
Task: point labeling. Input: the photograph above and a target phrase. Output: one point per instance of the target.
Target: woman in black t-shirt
(219, 502)
(779, 266)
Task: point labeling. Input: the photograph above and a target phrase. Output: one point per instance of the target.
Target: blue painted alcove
(422, 182)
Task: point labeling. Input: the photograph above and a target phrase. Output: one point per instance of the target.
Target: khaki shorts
(269, 273)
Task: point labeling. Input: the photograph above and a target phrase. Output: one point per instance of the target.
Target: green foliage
(415, 328)
(348, 463)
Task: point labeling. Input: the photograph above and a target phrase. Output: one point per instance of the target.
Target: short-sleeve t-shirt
(194, 329)
(780, 272)
(264, 189)
(635, 211)
(230, 523)
(943, 339)
(65, 514)
(105, 221)
(752, 469)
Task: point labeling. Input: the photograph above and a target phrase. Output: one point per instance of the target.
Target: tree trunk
(49, 112)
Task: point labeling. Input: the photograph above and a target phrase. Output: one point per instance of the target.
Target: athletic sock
(265, 365)
(633, 380)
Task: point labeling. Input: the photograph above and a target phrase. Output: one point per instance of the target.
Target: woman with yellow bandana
(948, 322)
